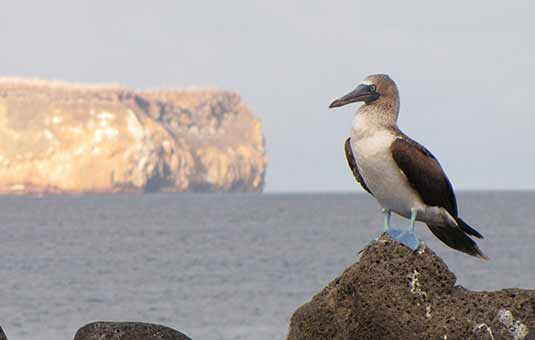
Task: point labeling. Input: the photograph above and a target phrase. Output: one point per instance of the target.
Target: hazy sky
(465, 70)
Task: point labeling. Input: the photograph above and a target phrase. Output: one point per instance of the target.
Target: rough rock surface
(2, 334)
(105, 330)
(57, 137)
(393, 293)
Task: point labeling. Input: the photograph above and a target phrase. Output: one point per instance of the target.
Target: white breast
(380, 172)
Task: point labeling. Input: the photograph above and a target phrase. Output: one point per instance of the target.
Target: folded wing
(353, 165)
(427, 178)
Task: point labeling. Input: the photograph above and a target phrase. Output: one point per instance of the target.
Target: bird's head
(375, 89)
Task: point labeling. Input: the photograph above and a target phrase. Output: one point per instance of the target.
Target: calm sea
(215, 266)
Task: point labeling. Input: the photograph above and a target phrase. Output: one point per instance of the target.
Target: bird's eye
(373, 88)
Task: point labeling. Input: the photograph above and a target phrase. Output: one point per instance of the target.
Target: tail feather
(457, 239)
(467, 229)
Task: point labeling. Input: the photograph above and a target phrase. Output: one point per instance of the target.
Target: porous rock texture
(60, 137)
(394, 293)
(106, 330)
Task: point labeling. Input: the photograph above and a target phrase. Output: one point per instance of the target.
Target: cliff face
(56, 137)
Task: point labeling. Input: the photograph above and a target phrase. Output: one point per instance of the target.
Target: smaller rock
(106, 330)
(2, 334)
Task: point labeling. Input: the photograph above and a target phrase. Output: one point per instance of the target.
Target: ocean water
(216, 266)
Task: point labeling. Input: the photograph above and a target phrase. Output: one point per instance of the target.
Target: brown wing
(353, 165)
(424, 174)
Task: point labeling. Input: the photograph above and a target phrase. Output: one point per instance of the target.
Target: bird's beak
(361, 94)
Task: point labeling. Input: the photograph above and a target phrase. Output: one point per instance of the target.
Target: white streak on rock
(414, 284)
(517, 329)
(428, 311)
(487, 328)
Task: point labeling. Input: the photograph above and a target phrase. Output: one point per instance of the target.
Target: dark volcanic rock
(393, 293)
(2, 334)
(105, 330)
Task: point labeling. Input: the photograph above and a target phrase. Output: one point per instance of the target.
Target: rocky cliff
(58, 137)
(393, 293)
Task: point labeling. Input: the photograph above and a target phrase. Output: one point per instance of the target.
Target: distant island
(57, 137)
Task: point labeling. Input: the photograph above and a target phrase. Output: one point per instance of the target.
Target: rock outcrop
(2, 334)
(393, 293)
(57, 137)
(106, 330)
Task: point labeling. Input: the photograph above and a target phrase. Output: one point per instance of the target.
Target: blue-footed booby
(402, 175)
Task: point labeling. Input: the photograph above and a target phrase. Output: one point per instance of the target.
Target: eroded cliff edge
(59, 137)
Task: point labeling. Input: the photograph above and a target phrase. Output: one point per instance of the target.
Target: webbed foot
(409, 240)
(394, 233)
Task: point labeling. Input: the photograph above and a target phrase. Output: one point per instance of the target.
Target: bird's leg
(393, 232)
(386, 228)
(414, 213)
(408, 238)
(387, 214)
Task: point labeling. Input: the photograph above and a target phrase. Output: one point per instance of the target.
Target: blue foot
(404, 237)
(409, 240)
(394, 233)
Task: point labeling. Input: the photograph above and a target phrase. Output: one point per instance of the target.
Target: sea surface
(216, 266)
